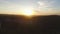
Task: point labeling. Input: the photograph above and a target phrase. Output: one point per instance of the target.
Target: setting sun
(27, 12)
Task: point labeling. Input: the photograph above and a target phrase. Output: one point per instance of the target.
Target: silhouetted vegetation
(18, 24)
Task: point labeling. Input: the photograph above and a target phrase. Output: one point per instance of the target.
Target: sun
(27, 12)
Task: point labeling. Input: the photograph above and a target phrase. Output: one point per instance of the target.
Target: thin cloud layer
(48, 6)
(41, 6)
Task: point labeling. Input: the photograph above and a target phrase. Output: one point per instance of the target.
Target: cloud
(45, 3)
(48, 7)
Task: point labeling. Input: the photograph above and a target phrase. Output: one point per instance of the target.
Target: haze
(40, 7)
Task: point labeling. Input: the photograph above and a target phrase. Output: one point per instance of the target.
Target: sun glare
(27, 12)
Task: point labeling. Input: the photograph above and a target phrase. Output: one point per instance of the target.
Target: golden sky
(39, 7)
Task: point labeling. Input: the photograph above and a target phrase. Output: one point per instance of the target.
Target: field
(18, 24)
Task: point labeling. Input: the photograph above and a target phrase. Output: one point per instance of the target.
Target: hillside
(18, 24)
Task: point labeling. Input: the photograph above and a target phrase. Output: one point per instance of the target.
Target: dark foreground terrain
(15, 24)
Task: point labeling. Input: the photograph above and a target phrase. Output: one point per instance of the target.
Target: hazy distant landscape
(18, 24)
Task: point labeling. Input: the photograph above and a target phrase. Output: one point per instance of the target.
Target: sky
(40, 7)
